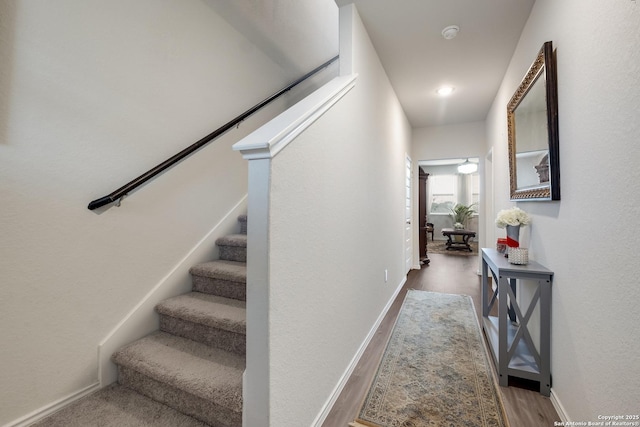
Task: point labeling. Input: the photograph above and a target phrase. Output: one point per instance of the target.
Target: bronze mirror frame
(548, 170)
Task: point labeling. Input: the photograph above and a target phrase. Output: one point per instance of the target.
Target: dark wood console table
(464, 244)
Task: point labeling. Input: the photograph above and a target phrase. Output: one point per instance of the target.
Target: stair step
(209, 319)
(223, 278)
(193, 378)
(233, 247)
(118, 406)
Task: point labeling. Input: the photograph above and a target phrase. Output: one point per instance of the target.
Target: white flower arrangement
(513, 216)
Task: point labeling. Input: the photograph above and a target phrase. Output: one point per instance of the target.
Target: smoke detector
(450, 32)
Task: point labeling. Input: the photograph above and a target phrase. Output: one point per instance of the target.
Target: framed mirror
(532, 125)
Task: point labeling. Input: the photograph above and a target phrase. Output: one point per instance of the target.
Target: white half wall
(585, 238)
(335, 227)
(331, 229)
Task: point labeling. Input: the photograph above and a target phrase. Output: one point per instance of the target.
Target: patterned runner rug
(435, 370)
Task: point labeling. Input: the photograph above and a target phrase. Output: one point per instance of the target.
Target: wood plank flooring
(449, 274)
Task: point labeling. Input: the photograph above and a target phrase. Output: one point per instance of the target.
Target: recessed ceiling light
(445, 90)
(450, 32)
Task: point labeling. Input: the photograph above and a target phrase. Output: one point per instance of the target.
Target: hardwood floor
(449, 274)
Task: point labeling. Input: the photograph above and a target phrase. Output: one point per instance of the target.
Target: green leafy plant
(461, 213)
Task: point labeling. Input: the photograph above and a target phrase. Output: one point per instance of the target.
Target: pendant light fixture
(467, 167)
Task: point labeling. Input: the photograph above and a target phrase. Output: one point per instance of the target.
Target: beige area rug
(440, 247)
(434, 370)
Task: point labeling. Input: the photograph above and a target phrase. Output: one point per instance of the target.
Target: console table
(512, 348)
(464, 244)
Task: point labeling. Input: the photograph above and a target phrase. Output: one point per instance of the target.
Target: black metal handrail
(132, 185)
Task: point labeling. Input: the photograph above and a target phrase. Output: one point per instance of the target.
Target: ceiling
(407, 35)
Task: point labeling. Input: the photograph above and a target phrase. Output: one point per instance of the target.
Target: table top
(499, 262)
(455, 231)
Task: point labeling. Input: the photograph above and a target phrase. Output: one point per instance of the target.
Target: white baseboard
(555, 401)
(142, 319)
(354, 362)
(51, 408)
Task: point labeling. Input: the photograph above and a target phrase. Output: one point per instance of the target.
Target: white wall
(92, 94)
(336, 223)
(297, 35)
(585, 237)
(451, 141)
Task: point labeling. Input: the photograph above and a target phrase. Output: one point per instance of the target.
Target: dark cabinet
(422, 216)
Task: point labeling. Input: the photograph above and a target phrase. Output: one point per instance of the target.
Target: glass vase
(513, 236)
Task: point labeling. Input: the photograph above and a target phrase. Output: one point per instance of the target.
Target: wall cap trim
(275, 135)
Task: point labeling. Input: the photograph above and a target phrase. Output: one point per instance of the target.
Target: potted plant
(461, 214)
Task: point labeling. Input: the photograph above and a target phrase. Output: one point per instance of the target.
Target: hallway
(448, 274)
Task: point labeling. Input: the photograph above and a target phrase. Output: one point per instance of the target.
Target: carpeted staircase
(194, 363)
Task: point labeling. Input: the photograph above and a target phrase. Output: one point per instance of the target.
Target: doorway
(447, 186)
(408, 235)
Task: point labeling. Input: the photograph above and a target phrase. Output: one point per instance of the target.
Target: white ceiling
(407, 37)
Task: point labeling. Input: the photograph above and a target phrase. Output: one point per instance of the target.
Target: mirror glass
(533, 142)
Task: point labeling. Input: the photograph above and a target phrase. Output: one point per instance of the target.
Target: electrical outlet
(386, 275)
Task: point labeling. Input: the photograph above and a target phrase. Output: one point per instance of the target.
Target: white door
(408, 240)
